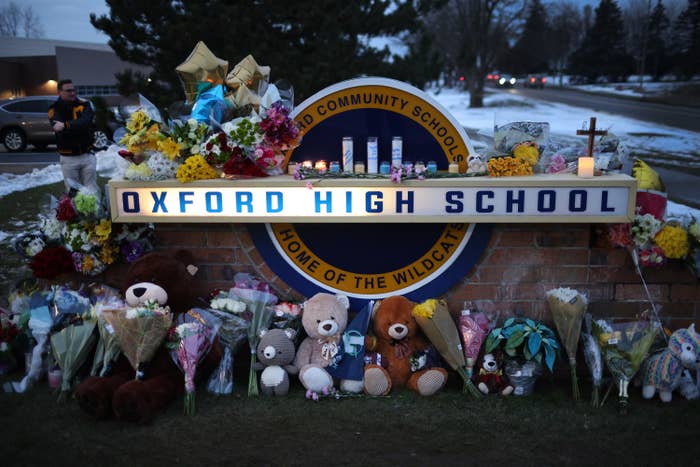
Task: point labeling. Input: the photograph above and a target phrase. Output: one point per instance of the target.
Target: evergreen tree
(312, 43)
(657, 57)
(532, 51)
(602, 53)
(565, 35)
(687, 44)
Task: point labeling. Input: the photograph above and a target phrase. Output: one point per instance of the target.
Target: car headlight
(502, 81)
(512, 81)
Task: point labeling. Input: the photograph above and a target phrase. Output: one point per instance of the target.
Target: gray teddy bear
(275, 356)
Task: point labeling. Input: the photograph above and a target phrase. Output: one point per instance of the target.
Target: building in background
(32, 67)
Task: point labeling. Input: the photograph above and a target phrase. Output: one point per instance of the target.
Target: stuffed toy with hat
(166, 279)
(399, 341)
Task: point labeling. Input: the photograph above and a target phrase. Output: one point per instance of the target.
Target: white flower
(51, 227)
(566, 294)
(228, 304)
(193, 123)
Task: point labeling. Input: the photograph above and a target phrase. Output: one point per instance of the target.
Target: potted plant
(526, 344)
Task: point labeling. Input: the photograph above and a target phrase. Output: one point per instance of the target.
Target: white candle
(291, 168)
(585, 167)
(321, 167)
(307, 164)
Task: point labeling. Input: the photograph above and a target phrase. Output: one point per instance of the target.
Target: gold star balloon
(202, 65)
(247, 79)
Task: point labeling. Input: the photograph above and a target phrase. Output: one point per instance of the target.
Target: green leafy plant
(525, 339)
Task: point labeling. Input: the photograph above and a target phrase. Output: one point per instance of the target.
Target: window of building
(95, 90)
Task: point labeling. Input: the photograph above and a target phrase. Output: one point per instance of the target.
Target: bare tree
(473, 34)
(18, 21)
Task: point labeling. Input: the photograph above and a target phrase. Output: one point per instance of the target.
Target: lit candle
(291, 168)
(585, 167)
(453, 168)
(307, 164)
(320, 167)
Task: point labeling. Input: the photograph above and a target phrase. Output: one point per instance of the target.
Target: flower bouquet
(624, 345)
(474, 327)
(259, 302)
(71, 347)
(568, 307)
(594, 361)
(232, 333)
(140, 331)
(526, 343)
(108, 349)
(190, 341)
(437, 324)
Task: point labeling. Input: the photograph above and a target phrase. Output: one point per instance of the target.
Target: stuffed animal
(397, 338)
(275, 355)
(167, 279)
(663, 371)
(324, 319)
(491, 379)
(476, 164)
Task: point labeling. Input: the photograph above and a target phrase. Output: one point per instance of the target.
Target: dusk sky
(70, 19)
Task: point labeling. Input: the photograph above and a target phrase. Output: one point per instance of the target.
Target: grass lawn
(547, 428)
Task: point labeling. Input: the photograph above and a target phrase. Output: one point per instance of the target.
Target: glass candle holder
(586, 167)
(384, 168)
(432, 167)
(321, 167)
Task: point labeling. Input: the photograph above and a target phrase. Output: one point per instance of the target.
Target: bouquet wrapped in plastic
(71, 347)
(191, 340)
(140, 331)
(594, 360)
(107, 350)
(473, 328)
(624, 347)
(568, 307)
(437, 324)
(259, 303)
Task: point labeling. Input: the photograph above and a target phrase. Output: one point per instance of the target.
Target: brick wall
(521, 262)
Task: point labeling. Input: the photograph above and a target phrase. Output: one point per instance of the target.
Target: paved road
(687, 118)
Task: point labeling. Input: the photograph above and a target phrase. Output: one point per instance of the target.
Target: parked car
(535, 81)
(506, 81)
(24, 121)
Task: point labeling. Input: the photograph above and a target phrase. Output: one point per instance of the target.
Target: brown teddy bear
(397, 338)
(324, 320)
(167, 279)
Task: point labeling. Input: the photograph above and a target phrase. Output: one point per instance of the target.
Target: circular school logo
(374, 260)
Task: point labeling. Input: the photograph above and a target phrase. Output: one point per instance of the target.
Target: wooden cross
(592, 133)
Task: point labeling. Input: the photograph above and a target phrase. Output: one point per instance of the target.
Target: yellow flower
(527, 152)
(103, 229)
(88, 263)
(673, 240)
(195, 168)
(508, 167)
(694, 230)
(425, 309)
(137, 122)
(135, 172)
(169, 148)
(109, 253)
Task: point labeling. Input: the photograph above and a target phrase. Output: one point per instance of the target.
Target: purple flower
(132, 251)
(77, 261)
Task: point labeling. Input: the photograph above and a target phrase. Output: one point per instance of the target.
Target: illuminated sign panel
(527, 199)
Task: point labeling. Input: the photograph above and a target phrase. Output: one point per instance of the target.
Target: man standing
(71, 119)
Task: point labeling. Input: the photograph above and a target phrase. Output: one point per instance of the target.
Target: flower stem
(252, 378)
(574, 383)
(468, 387)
